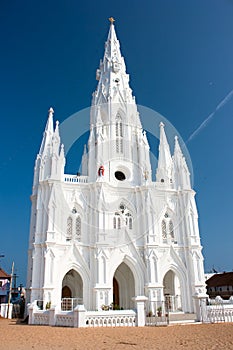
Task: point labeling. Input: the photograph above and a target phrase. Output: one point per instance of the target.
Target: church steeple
(48, 133)
(164, 170)
(50, 160)
(113, 81)
(117, 142)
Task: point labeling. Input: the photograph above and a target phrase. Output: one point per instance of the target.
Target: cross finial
(51, 111)
(112, 20)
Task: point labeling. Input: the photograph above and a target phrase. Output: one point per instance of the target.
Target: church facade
(110, 234)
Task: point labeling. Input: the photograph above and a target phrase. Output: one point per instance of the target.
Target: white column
(79, 316)
(200, 306)
(140, 305)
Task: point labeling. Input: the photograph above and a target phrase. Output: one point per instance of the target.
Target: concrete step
(180, 317)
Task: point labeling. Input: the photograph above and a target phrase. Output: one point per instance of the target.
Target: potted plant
(150, 314)
(159, 311)
(48, 305)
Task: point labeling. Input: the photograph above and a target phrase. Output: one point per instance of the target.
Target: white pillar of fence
(4, 310)
(52, 316)
(31, 314)
(141, 314)
(201, 309)
(80, 316)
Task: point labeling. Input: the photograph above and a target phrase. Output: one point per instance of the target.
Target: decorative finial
(51, 111)
(112, 20)
(161, 124)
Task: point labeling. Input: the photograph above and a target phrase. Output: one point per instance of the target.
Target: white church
(110, 234)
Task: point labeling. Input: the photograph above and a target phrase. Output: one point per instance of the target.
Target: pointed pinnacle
(50, 111)
(161, 124)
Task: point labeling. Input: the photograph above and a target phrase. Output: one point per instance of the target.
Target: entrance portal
(123, 287)
(72, 285)
(172, 291)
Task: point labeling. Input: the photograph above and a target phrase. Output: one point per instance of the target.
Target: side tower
(112, 233)
(48, 170)
(173, 251)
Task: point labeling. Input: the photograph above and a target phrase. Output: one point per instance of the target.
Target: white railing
(75, 179)
(68, 304)
(65, 319)
(217, 310)
(41, 318)
(219, 313)
(79, 317)
(120, 318)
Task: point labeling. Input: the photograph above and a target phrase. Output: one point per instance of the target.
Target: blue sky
(179, 55)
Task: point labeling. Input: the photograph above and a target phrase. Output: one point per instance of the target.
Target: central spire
(117, 143)
(113, 81)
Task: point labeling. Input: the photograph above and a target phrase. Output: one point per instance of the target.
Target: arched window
(171, 230)
(167, 228)
(130, 223)
(69, 229)
(78, 228)
(122, 218)
(119, 135)
(119, 223)
(164, 230)
(119, 128)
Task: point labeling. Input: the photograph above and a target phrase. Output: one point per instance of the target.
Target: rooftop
(220, 279)
(3, 274)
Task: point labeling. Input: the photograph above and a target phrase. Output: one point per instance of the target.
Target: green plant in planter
(159, 311)
(48, 305)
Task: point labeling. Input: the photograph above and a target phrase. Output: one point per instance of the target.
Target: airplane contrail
(206, 121)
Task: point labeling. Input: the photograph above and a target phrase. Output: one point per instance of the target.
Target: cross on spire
(112, 20)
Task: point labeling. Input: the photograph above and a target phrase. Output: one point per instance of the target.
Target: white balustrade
(75, 179)
(121, 318)
(41, 318)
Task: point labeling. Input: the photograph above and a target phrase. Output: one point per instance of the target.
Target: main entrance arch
(72, 285)
(172, 291)
(123, 287)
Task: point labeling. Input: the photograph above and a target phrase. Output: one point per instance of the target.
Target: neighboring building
(220, 284)
(4, 286)
(112, 233)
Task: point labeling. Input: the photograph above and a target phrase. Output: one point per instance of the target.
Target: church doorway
(116, 300)
(172, 291)
(123, 287)
(72, 290)
(66, 292)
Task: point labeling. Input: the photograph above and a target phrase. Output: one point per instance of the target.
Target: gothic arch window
(119, 223)
(119, 135)
(128, 220)
(167, 228)
(122, 217)
(69, 230)
(130, 223)
(171, 229)
(119, 127)
(78, 228)
(164, 230)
